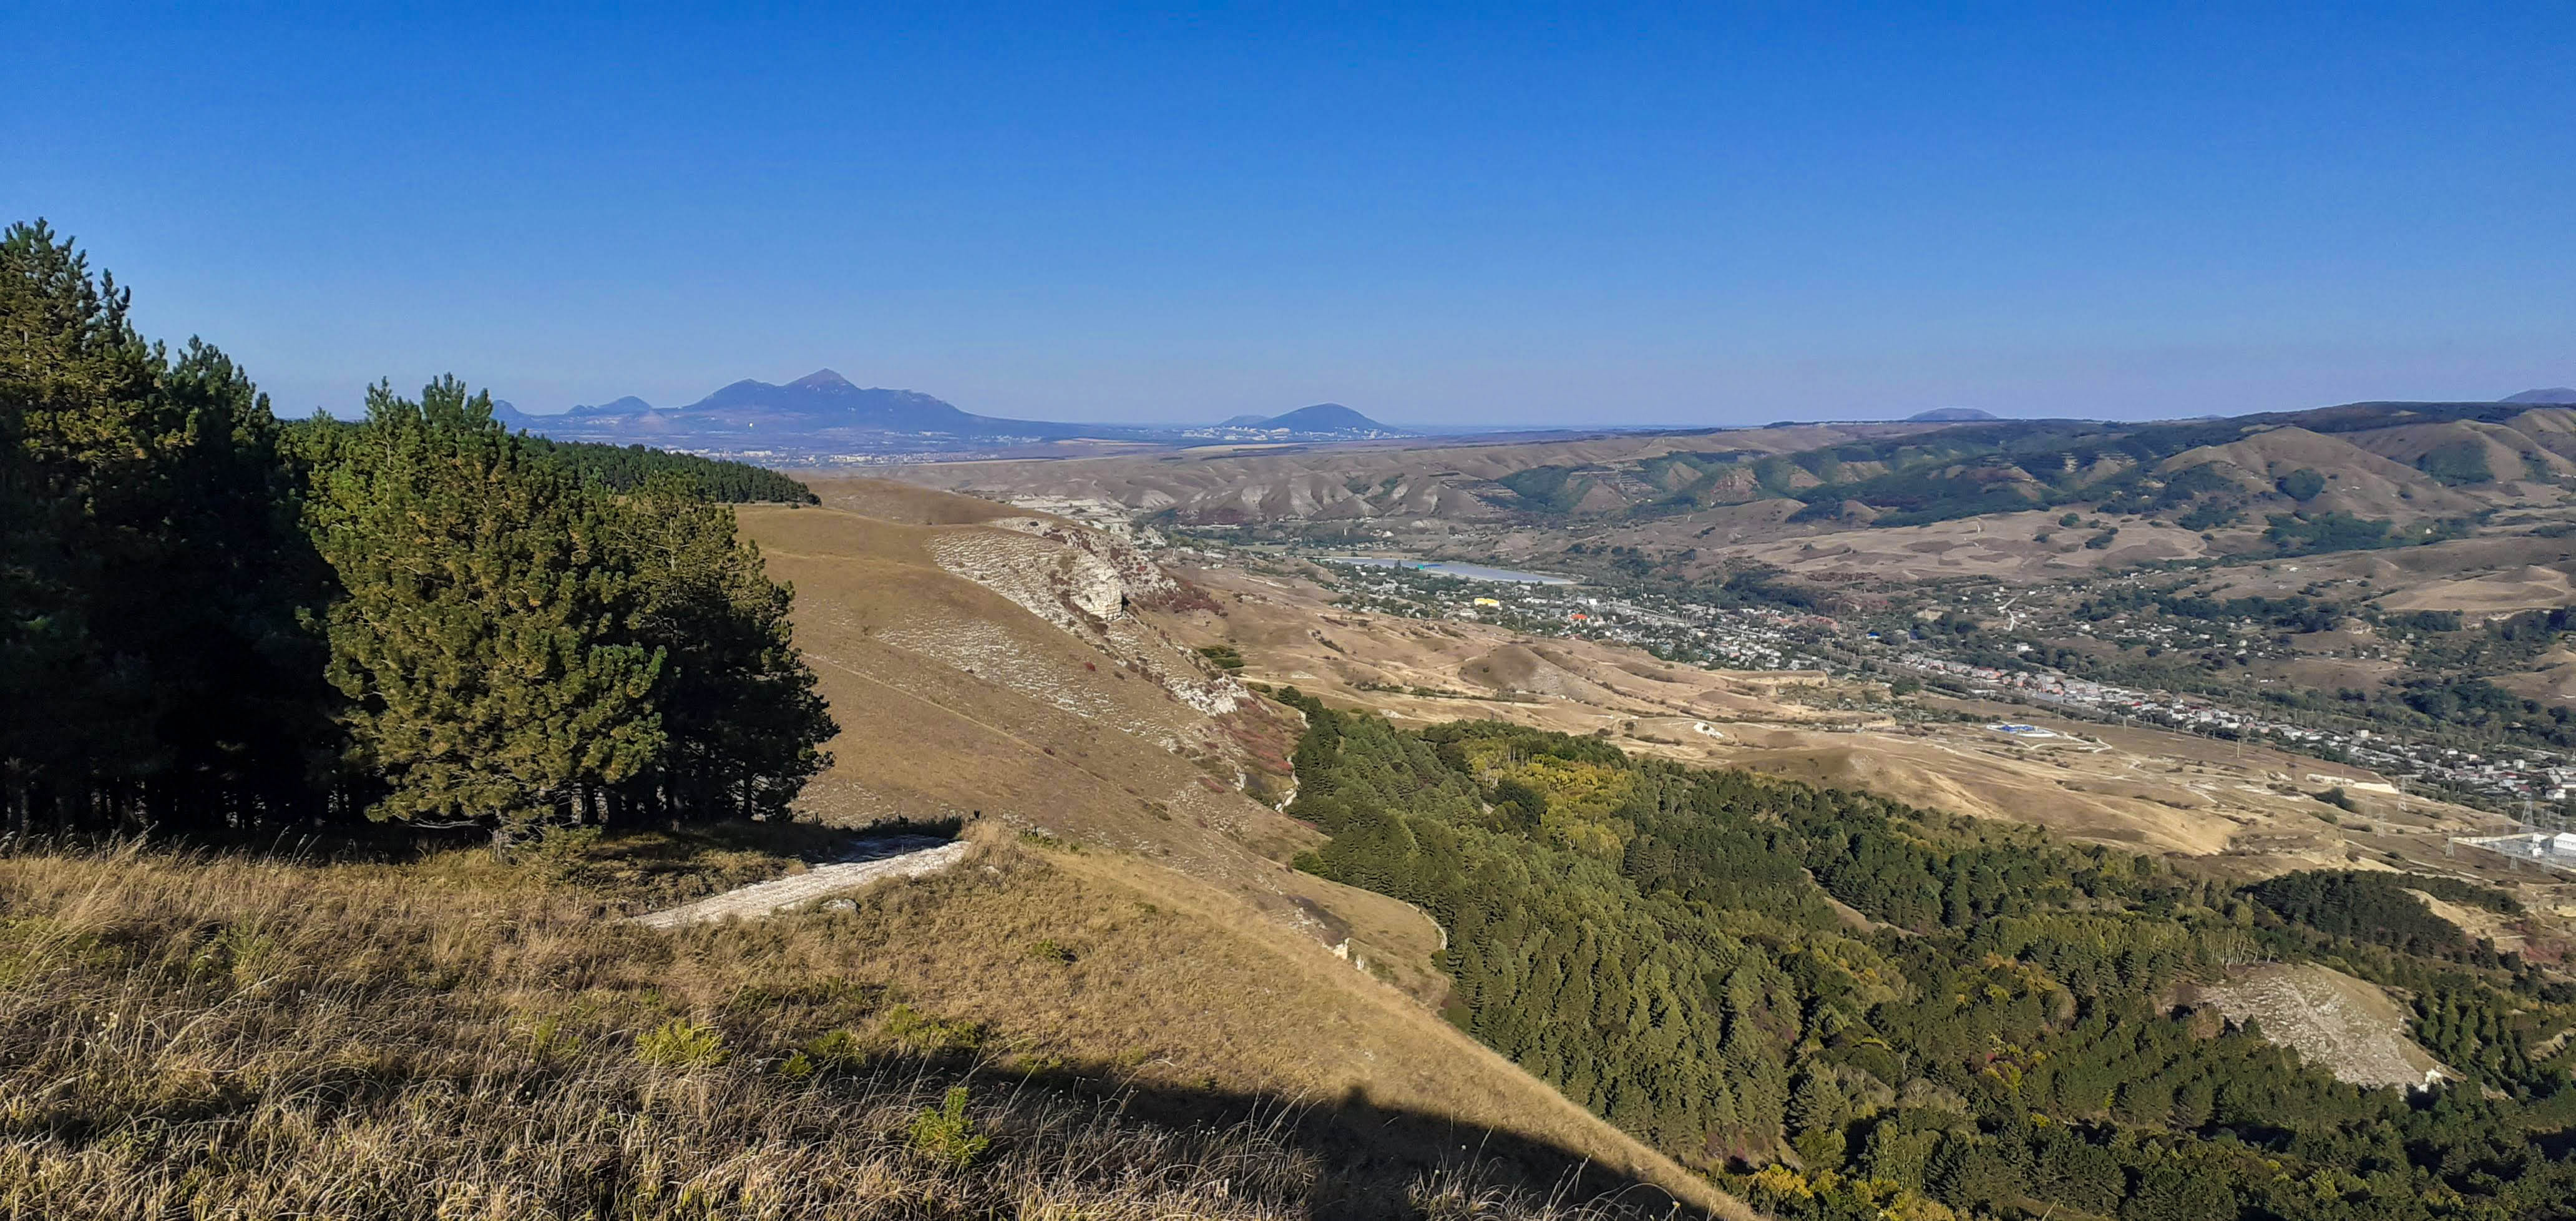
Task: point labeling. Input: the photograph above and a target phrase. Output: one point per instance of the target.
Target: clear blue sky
(1443, 214)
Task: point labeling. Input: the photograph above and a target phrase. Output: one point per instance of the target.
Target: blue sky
(1439, 214)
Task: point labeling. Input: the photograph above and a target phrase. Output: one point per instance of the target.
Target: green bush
(916, 1031)
(944, 1137)
(1225, 656)
(1048, 949)
(682, 1044)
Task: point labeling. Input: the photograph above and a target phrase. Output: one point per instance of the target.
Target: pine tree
(486, 639)
(744, 721)
(152, 669)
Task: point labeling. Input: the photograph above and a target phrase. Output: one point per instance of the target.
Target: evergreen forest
(1847, 1007)
(218, 624)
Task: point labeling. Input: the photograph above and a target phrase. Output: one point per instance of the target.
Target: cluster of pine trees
(1852, 1008)
(212, 622)
(624, 468)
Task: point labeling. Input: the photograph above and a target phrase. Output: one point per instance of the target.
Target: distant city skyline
(1519, 216)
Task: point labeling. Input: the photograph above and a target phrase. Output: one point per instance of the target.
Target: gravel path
(909, 856)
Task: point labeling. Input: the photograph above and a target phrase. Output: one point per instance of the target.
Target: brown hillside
(2550, 428)
(2529, 587)
(908, 503)
(954, 699)
(2508, 451)
(1411, 479)
(1520, 668)
(1018, 667)
(2358, 481)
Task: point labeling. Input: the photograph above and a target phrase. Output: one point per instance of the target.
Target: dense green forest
(624, 468)
(1852, 1008)
(214, 623)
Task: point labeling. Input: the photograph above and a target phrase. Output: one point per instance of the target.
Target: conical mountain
(629, 405)
(825, 399)
(1322, 419)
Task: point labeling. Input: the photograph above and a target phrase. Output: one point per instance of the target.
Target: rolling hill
(2358, 475)
(1028, 674)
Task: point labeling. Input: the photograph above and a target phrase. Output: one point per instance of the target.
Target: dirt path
(909, 856)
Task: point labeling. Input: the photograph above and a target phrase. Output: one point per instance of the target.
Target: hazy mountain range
(824, 410)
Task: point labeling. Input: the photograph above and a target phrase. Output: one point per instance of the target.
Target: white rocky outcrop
(1087, 582)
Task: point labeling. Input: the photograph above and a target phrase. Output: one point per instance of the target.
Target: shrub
(1225, 656)
(681, 1044)
(1048, 949)
(945, 1138)
(550, 1044)
(916, 1031)
(836, 1049)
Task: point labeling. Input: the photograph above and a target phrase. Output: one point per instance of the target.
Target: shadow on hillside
(814, 843)
(1373, 1156)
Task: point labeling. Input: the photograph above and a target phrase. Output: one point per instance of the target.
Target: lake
(1473, 572)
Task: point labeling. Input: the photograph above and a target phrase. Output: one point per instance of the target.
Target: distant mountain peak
(1950, 415)
(629, 405)
(2554, 396)
(1326, 417)
(822, 379)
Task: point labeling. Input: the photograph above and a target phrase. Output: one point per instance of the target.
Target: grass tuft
(679, 1044)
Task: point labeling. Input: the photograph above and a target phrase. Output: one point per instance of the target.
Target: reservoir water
(1473, 572)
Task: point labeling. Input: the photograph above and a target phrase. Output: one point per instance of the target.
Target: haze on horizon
(1524, 216)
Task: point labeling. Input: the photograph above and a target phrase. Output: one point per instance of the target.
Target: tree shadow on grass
(1375, 1158)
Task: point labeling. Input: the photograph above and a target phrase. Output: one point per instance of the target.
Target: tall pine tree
(152, 670)
(744, 722)
(486, 636)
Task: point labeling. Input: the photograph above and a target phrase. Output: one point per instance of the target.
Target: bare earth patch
(2334, 1021)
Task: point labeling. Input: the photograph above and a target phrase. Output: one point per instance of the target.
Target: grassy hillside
(453, 1037)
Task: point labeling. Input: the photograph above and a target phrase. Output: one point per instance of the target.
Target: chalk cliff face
(1089, 582)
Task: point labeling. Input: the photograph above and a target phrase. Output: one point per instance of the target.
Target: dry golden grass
(197, 1036)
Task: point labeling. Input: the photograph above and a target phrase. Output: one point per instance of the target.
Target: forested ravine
(1657, 942)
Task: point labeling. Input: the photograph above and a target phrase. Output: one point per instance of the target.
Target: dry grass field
(962, 690)
(458, 1038)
